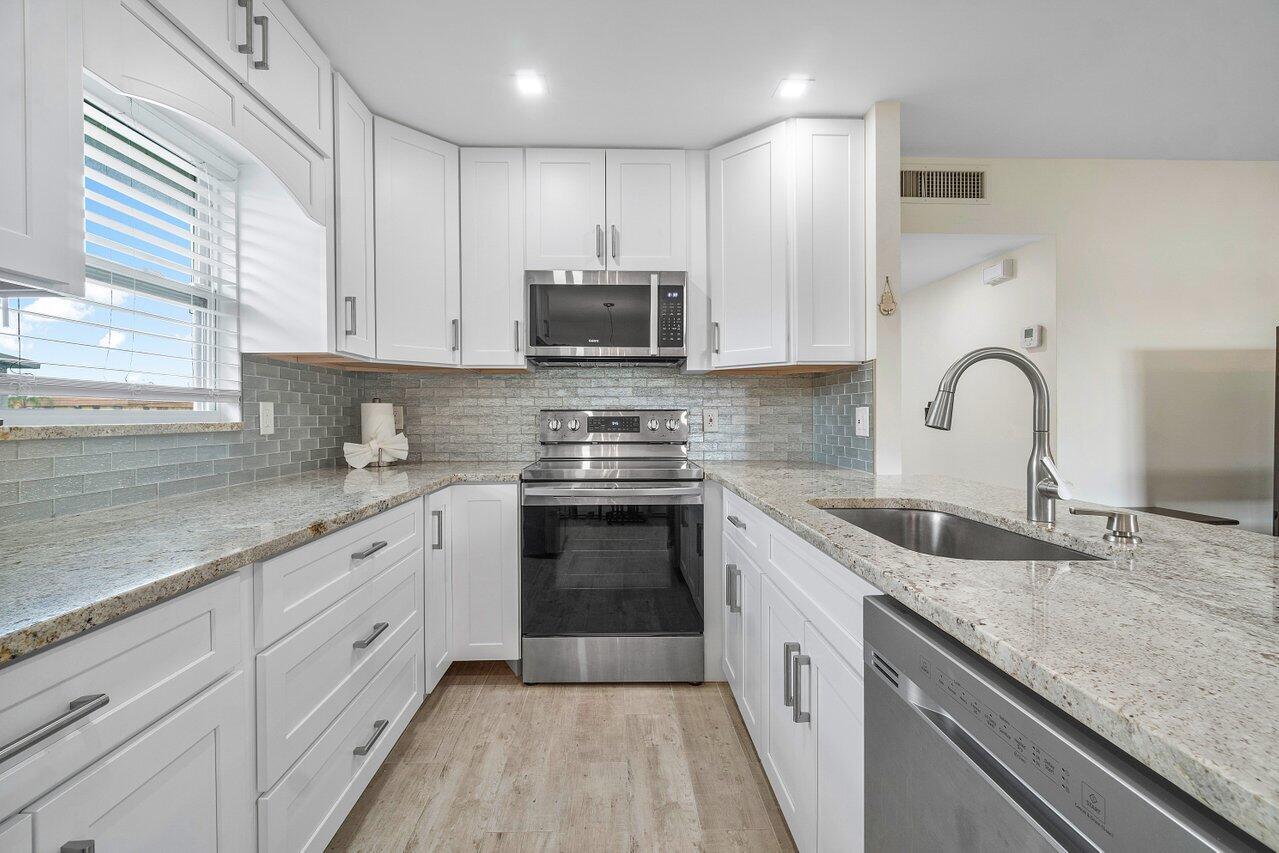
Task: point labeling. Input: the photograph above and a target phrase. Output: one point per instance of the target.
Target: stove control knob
(554, 424)
(573, 424)
(653, 424)
(672, 424)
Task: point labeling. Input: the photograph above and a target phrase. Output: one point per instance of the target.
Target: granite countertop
(1170, 650)
(67, 575)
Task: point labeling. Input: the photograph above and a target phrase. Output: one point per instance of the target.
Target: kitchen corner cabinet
(41, 145)
(492, 187)
(438, 587)
(787, 246)
(353, 223)
(485, 572)
(418, 305)
(592, 209)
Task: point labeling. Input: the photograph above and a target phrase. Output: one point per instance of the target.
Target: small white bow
(359, 455)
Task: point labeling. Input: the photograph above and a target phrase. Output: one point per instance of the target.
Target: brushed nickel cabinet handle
(351, 322)
(372, 636)
(457, 333)
(262, 64)
(613, 229)
(733, 588)
(517, 335)
(367, 747)
(369, 551)
(599, 244)
(797, 663)
(77, 710)
(438, 516)
(247, 6)
(736, 522)
(788, 674)
(715, 326)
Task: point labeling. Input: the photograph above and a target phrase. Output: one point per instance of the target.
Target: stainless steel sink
(944, 535)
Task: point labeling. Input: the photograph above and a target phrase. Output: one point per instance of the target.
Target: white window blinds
(157, 327)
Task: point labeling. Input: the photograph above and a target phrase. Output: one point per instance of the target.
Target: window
(155, 337)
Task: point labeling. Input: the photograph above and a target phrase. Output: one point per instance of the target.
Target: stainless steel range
(611, 565)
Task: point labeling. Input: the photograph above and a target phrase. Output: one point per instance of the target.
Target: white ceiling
(990, 78)
(931, 257)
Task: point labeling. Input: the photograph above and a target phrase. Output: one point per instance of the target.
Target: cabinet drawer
(305, 680)
(308, 805)
(146, 665)
(747, 526)
(183, 784)
(293, 587)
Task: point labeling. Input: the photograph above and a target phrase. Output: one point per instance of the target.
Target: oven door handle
(542, 495)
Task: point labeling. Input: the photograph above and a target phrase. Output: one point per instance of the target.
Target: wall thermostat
(1032, 337)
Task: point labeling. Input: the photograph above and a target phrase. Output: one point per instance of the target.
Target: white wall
(990, 436)
(884, 261)
(1167, 303)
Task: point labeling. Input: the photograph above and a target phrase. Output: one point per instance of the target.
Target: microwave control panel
(670, 315)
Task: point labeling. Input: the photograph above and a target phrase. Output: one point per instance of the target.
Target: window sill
(27, 432)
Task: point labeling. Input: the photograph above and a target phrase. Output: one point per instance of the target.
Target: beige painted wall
(1167, 303)
(990, 436)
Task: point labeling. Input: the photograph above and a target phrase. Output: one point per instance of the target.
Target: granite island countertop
(1170, 650)
(67, 575)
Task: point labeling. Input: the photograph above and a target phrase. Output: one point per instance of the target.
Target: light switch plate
(861, 421)
(710, 420)
(266, 418)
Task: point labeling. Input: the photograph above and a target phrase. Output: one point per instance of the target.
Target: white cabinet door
(438, 588)
(291, 73)
(830, 232)
(742, 663)
(647, 210)
(41, 145)
(486, 572)
(789, 749)
(747, 254)
(833, 694)
(732, 618)
(185, 783)
(353, 233)
(565, 215)
(222, 27)
(492, 185)
(416, 235)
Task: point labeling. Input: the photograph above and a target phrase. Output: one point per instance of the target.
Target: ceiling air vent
(944, 185)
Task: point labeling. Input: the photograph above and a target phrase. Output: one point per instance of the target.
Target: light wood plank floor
(491, 764)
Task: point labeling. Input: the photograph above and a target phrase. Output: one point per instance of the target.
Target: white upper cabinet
(565, 219)
(492, 190)
(747, 249)
(41, 145)
(224, 28)
(353, 227)
(418, 309)
(829, 251)
(290, 72)
(589, 209)
(647, 211)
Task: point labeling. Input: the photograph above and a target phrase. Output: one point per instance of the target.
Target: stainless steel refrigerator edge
(961, 758)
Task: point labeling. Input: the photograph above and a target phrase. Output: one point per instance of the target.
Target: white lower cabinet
(183, 784)
(486, 572)
(792, 643)
(438, 587)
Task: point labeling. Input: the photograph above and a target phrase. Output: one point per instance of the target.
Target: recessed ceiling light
(530, 84)
(793, 86)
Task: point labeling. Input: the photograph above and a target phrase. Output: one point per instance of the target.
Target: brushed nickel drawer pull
(373, 635)
(369, 551)
(76, 711)
(797, 663)
(367, 747)
(788, 674)
(737, 522)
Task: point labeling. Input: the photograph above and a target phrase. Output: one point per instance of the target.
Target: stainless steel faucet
(1044, 484)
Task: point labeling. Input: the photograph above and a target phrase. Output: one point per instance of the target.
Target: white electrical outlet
(861, 421)
(266, 418)
(397, 415)
(710, 420)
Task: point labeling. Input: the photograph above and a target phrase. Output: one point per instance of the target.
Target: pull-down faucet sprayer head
(937, 414)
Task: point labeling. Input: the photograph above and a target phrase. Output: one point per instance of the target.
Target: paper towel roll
(377, 420)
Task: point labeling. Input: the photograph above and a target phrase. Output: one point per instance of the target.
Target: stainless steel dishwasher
(961, 758)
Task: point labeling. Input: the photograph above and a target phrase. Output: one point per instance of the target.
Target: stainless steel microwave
(605, 314)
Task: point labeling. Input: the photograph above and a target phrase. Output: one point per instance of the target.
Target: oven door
(593, 318)
(612, 560)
